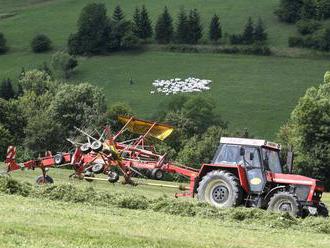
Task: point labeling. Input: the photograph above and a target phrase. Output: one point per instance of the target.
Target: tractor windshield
(228, 153)
(272, 157)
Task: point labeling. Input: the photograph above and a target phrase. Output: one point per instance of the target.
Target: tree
(37, 81)
(63, 64)
(260, 34)
(41, 43)
(182, 28)
(201, 148)
(215, 32)
(308, 9)
(40, 130)
(6, 89)
(308, 130)
(137, 22)
(3, 46)
(12, 119)
(194, 27)
(121, 34)
(6, 139)
(145, 30)
(248, 33)
(191, 116)
(91, 37)
(289, 10)
(77, 105)
(118, 14)
(164, 28)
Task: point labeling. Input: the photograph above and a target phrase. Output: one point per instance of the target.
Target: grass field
(31, 222)
(251, 92)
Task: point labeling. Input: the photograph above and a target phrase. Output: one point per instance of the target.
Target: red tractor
(248, 172)
(243, 172)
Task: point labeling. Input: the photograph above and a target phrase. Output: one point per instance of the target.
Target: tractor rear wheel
(285, 202)
(44, 180)
(221, 189)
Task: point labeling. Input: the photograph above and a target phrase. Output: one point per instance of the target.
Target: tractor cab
(249, 172)
(256, 156)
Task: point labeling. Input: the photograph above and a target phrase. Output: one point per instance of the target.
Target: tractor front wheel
(285, 202)
(220, 189)
(322, 210)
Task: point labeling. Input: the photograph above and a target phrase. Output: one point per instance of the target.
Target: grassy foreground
(39, 221)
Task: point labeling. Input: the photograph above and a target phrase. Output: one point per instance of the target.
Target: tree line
(308, 16)
(97, 33)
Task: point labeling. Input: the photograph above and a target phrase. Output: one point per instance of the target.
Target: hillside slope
(251, 92)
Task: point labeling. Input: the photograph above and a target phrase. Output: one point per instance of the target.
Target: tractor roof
(249, 142)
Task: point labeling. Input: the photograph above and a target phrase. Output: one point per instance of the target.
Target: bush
(257, 50)
(236, 39)
(308, 26)
(63, 64)
(41, 43)
(3, 41)
(130, 41)
(295, 41)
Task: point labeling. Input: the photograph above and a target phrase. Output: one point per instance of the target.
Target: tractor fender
(272, 192)
(235, 169)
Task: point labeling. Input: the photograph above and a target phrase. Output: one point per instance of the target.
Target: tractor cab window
(253, 160)
(272, 160)
(228, 153)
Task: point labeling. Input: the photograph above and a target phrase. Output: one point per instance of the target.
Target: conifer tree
(182, 27)
(164, 28)
(215, 32)
(6, 89)
(118, 14)
(145, 24)
(248, 33)
(137, 22)
(259, 31)
(194, 27)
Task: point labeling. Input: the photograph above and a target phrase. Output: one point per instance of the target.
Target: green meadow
(251, 92)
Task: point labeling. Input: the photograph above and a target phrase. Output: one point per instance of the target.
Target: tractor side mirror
(289, 160)
(242, 151)
(251, 156)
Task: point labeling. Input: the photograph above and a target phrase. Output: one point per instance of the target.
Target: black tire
(58, 158)
(44, 180)
(113, 176)
(157, 174)
(85, 148)
(322, 210)
(220, 189)
(89, 174)
(97, 146)
(285, 202)
(98, 168)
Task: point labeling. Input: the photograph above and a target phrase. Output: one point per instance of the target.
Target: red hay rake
(103, 153)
